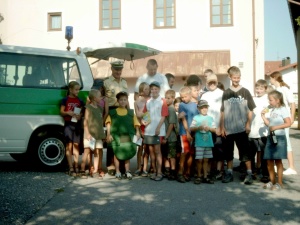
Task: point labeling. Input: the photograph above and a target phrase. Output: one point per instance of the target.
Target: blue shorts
(72, 132)
(278, 151)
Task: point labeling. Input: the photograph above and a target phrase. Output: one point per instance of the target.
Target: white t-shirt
(161, 79)
(214, 99)
(258, 127)
(288, 97)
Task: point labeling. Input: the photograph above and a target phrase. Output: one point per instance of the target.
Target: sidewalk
(143, 201)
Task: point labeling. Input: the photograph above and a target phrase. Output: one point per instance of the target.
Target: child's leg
(76, 154)
(96, 160)
(279, 171)
(199, 163)
(181, 163)
(69, 155)
(189, 163)
(270, 163)
(85, 156)
(152, 157)
(173, 163)
(117, 164)
(258, 159)
(145, 158)
(139, 157)
(205, 167)
(100, 159)
(158, 158)
(127, 165)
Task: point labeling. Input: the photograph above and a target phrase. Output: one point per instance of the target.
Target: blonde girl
(275, 151)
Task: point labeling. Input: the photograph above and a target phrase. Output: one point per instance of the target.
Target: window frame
(50, 15)
(164, 15)
(110, 16)
(221, 14)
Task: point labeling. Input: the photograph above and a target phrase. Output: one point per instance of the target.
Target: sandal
(82, 175)
(128, 175)
(197, 180)
(159, 177)
(276, 187)
(153, 176)
(96, 175)
(101, 173)
(119, 176)
(145, 174)
(268, 185)
(137, 173)
(71, 172)
(207, 181)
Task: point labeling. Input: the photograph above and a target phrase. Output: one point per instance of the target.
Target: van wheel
(50, 150)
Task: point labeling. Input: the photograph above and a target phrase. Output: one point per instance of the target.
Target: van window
(23, 70)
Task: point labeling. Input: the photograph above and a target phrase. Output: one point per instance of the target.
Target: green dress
(122, 131)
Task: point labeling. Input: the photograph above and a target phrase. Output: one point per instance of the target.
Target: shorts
(187, 147)
(242, 143)
(152, 140)
(169, 150)
(98, 143)
(72, 132)
(278, 151)
(203, 153)
(218, 149)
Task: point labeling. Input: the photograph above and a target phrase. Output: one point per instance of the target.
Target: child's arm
(109, 138)
(263, 116)
(157, 130)
(105, 109)
(186, 127)
(138, 112)
(286, 124)
(85, 125)
(293, 111)
(248, 123)
(65, 113)
(168, 133)
(222, 126)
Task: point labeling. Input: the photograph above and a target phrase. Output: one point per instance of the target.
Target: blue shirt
(190, 110)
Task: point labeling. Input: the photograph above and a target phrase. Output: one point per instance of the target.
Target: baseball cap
(155, 83)
(202, 103)
(211, 77)
(121, 93)
(97, 84)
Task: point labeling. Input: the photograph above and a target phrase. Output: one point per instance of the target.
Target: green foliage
(298, 20)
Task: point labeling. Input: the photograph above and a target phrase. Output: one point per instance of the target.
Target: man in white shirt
(150, 77)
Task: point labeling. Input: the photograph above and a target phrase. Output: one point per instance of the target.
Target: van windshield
(36, 70)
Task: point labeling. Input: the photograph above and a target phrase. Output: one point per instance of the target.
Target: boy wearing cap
(236, 116)
(213, 96)
(122, 125)
(203, 125)
(157, 108)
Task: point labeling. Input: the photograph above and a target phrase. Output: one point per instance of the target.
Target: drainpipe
(255, 42)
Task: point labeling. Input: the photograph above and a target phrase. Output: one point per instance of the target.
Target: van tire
(49, 150)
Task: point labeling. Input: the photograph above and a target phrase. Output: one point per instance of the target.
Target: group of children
(185, 137)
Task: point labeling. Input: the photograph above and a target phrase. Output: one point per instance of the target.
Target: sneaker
(248, 179)
(290, 171)
(227, 178)
(119, 176)
(128, 175)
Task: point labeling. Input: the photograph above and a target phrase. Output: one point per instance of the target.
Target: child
(188, 108)
(203, 125)
(259, 131)
(122, 125)
(177, 101)
(213, 96)
(70, 110)
(276, 150)
(103, 102)
(139, 105)
(169, 142)
(235, 123)
(289, 102)
(93, 131)
(155, 130)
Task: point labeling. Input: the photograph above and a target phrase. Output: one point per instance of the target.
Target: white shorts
(98, 143)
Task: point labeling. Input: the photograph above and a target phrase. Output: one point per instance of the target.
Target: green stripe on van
(32, 101)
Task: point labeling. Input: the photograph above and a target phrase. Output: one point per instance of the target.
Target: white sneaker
(290, 171)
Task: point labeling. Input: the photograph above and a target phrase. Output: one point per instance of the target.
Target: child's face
(75, 90)
(274, 101)
(212, 85)
(146, 91)
(98, 97)
(195, 92)
(123, 100)
(235, 79)
(154, 91)
(260, 91)
(203, 110)
(169, 99)
(186, 97)
(176, 106)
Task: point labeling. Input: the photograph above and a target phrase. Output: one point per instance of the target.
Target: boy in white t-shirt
(259, 131)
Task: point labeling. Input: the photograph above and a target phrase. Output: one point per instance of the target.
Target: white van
(33, 82)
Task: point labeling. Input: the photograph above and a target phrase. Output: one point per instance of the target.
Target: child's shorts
(72, 132)
(152, 140)
(203, 153)
(187, 147)
(278, 151)
(169, 150)
(98, 143)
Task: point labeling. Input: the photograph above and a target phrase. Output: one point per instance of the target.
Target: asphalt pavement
(143, 201)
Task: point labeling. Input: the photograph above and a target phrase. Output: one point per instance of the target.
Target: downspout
(255, 42)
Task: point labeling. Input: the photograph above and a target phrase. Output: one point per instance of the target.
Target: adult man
(171, 79)
(150, 77)
(113, 85)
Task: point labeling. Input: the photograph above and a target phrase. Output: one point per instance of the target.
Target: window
(110, 14)
(221, 13)
(54, 21)
(164, 14)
